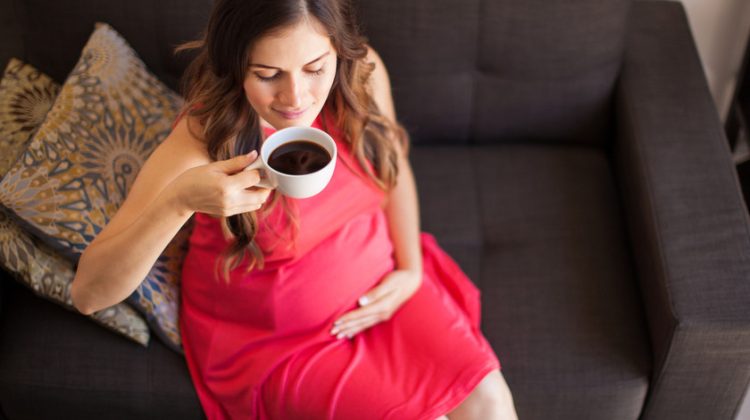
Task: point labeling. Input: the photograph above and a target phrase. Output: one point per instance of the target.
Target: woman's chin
(278, 124)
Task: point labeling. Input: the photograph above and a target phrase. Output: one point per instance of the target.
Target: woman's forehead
(293, 45)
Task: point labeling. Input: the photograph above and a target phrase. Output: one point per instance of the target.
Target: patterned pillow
(110, 115)
(26, 96)
(158, 297)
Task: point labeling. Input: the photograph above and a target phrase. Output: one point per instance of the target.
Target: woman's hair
(214, 95)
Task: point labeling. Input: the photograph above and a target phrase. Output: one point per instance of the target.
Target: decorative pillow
(78, 168)
(158, 297)
(26, 96)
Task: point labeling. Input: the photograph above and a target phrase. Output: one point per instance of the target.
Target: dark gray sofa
(567, 154)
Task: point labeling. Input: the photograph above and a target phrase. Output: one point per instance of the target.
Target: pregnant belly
(312, 290)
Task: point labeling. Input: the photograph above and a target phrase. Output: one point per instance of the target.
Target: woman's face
(290, 75)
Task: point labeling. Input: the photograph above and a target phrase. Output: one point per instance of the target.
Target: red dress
(261, 348)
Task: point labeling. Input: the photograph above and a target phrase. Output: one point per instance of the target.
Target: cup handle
(264, 182)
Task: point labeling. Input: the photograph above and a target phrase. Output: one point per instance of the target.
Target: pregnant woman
(330, 307)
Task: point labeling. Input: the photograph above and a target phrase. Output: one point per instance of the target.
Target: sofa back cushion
(463, 71)
(50, 35)
(471, 71)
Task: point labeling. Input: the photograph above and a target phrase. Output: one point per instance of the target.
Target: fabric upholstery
(26, 95)
(449, 202)
(110, 115)
(688, 220)
(55, 364)
(556, 262)
(554, 272)
(501, 71)
(152, 29)
(549, 79)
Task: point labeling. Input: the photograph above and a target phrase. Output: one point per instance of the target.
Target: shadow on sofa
(569, 157)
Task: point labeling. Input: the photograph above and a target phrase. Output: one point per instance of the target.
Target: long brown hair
(213, 89)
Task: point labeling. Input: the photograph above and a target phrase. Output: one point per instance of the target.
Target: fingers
(244, 179)
(256, 195)
(237, 163)
(377, 293)
(247, 198)
(377, 307)
(355, 326)
(366, 316)
(250, 200)
(241, 209)
(243, 201)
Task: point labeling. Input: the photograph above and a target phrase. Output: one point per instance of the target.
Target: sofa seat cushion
(540, 231)
(54, 361)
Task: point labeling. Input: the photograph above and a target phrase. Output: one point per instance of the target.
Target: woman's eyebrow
(276, 68)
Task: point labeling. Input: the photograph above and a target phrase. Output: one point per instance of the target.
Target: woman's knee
(507, 406)
(494, 392)
(490, 399)
(493, 388)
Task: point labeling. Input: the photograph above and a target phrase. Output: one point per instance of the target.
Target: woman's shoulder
(379, 84)
(183, 140)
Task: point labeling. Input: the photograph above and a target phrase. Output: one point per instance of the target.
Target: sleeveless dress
(260, 347)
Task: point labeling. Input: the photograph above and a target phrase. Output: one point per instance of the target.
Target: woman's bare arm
(402, 209)
(120, 256)
(176, 180)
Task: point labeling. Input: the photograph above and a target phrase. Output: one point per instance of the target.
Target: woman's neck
(265, 124)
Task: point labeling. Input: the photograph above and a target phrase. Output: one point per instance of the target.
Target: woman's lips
(291, 115)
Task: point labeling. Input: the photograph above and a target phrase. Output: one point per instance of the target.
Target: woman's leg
(490, 400)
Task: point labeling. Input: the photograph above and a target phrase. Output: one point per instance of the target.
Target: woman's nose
(291, 94)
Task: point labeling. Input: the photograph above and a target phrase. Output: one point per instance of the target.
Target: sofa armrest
(686, 218)
(2, 296)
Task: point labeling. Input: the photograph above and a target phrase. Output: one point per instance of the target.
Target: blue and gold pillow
(26, 96)
(110, 115)
(158, 297)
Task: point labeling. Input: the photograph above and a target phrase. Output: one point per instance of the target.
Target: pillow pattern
(110, 115)
(158, 297)
(26, 96)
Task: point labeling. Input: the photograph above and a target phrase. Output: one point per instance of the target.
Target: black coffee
(299, 157)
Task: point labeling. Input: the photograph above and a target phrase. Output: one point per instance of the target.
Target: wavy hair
(213, 89)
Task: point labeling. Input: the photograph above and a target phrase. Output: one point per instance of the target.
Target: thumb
(238, 163)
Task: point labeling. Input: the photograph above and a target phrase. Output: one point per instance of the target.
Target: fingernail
(340, 336)
(252, 154)
(364, 300)
(334, 331)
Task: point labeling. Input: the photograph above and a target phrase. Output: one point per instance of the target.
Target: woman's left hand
(379, 304)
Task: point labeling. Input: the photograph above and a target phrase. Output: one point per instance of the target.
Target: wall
(720, 29)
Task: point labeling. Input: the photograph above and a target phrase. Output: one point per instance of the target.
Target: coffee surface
(299, 157)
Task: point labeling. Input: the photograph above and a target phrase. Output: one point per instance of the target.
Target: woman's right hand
(222, 188)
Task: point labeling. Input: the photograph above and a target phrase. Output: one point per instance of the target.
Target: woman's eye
(317, 72)
(277, 75)
(267, 79)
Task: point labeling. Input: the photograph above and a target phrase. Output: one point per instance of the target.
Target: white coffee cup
(295, 186)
